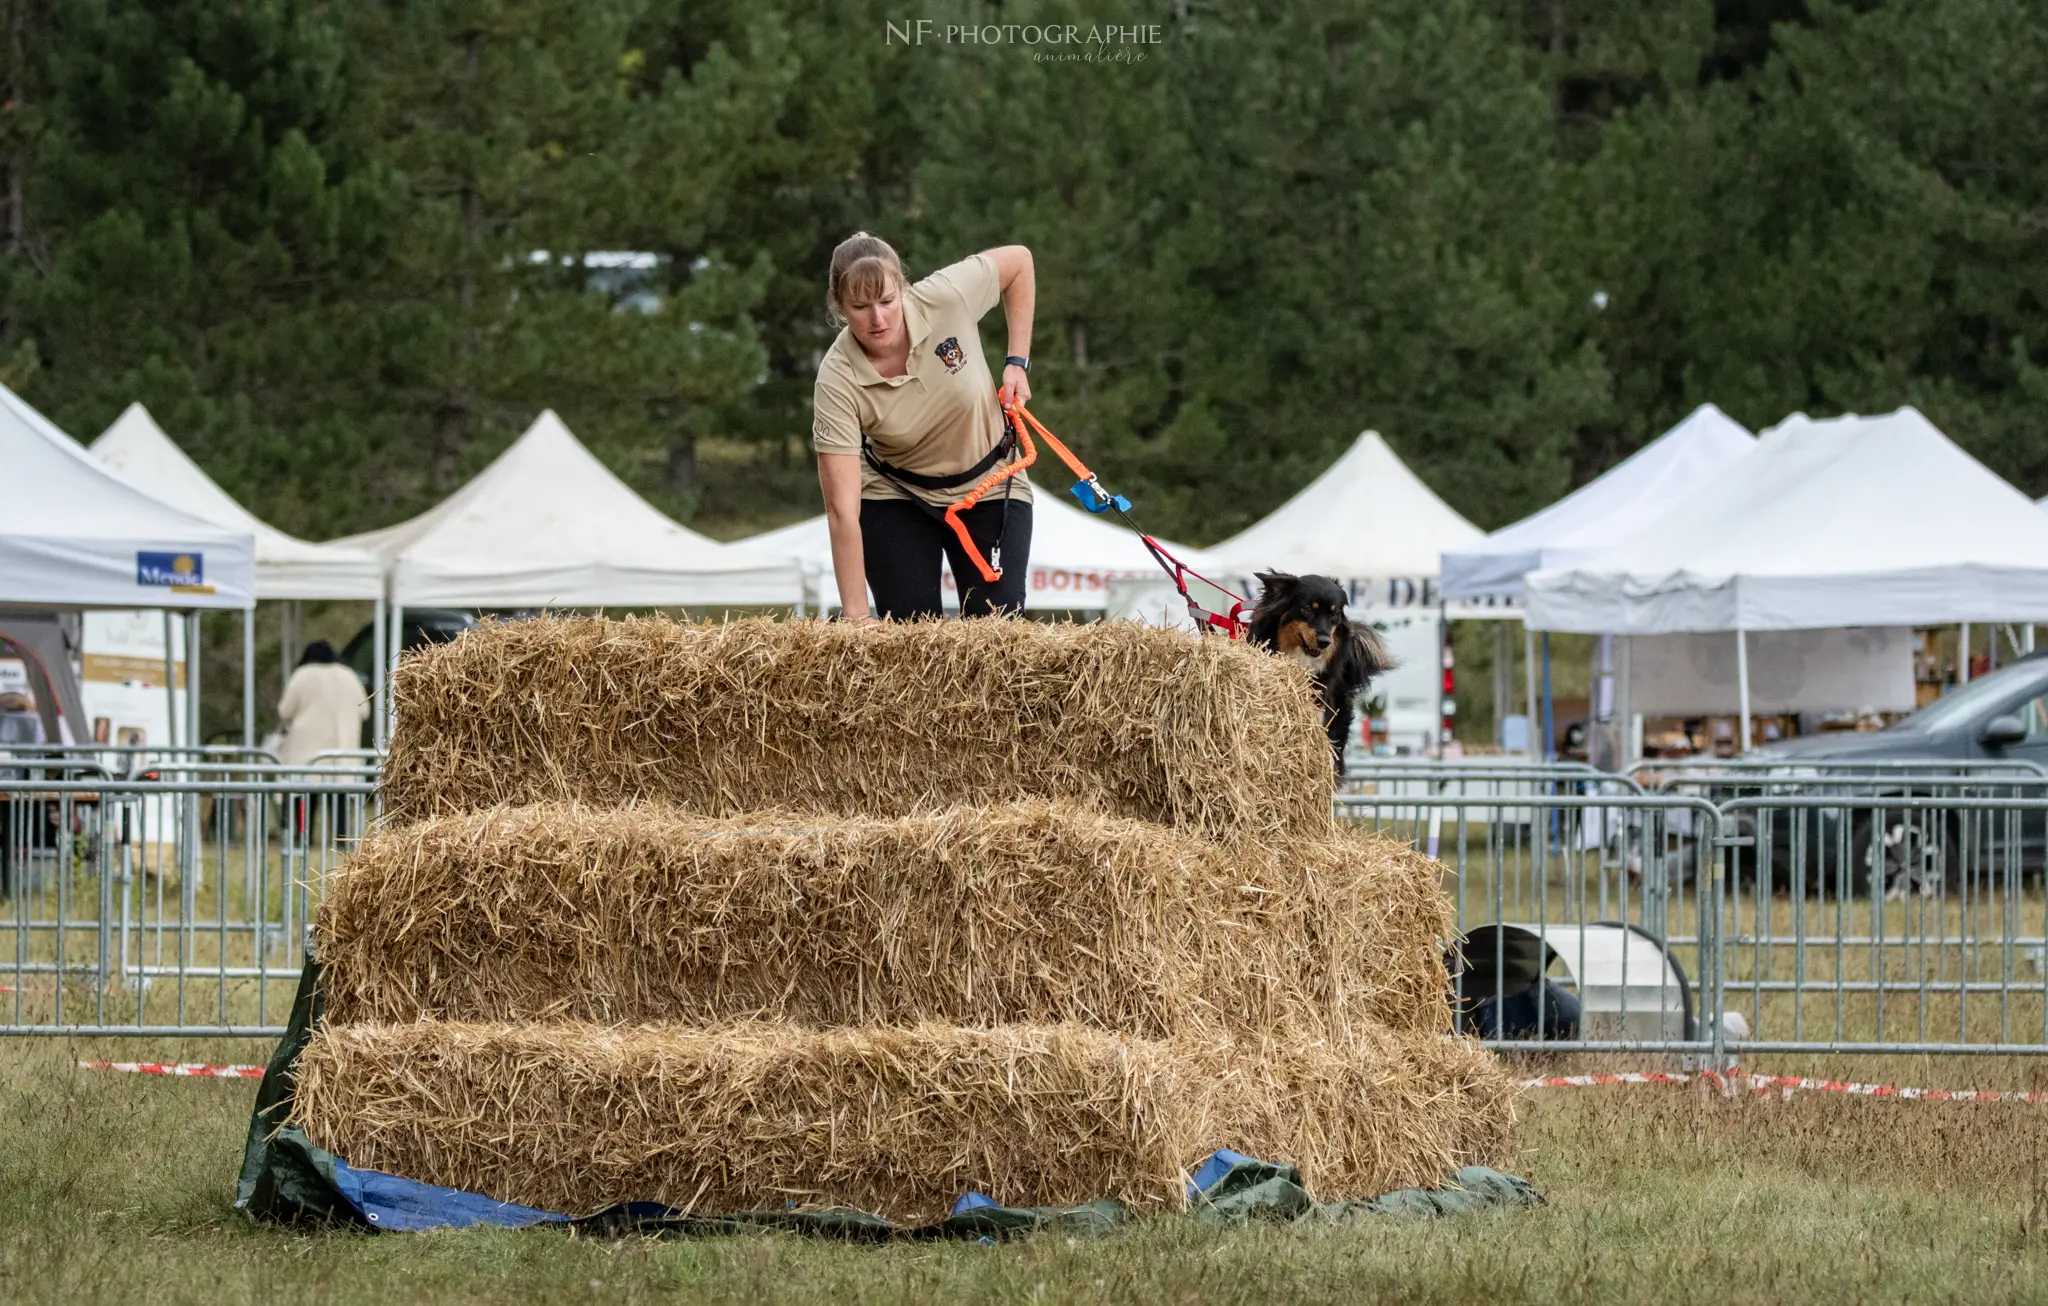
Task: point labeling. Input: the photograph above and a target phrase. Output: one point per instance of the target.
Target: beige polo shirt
(941, 416)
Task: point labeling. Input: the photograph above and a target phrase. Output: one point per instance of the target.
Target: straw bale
(1031, 912)
(882, 720)
(900, 1122)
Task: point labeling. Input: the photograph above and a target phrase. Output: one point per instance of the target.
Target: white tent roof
(1853, 521)
(1074, 556)
(136, 449)
(547, 524)
(74, 535)
(1367, 517)
(1603, 512)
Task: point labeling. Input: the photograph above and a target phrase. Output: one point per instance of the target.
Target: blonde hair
(862, 267)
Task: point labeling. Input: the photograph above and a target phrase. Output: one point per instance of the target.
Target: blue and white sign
(172, 569)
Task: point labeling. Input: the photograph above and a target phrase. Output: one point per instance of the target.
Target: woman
(323, 707)
(906, 422)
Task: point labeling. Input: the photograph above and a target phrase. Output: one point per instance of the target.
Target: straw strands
(888, 720)
(1030, 912)
(898, 1121)
(739, 916)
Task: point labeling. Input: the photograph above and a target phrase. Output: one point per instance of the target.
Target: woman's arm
(839, 477)
(289, 706)
(1019, 285)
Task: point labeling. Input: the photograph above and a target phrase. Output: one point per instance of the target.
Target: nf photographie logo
(1062, 41)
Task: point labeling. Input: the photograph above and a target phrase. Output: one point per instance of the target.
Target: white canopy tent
(547, 524)
(1604, 511)
(1611, 508)
(1367, 520)
(1075, 556)
(75, 536)
(136, 449)
(1852, 521)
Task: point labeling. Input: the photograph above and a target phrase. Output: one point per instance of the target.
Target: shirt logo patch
(951, 354)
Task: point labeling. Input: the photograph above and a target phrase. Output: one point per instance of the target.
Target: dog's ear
(1275, 586)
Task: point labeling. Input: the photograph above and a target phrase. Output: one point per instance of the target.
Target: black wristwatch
(1014, 361)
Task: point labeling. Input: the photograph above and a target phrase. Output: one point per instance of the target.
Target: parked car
(2002, 716)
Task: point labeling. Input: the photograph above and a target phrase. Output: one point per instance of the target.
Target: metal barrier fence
(1900, 911)
(1857, 909)
(1602, 885)
(164, 907)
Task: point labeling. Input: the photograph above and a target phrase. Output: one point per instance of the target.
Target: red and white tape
(1731, 1083)
(188, 1068)
(1735, 1082)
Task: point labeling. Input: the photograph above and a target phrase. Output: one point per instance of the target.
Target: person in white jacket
(323, 707)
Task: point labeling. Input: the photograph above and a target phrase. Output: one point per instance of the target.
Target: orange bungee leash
(1088, 490)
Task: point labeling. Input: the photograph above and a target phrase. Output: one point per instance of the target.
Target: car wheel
(1903, 855)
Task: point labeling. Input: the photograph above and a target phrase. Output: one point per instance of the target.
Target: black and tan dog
(1302, 619)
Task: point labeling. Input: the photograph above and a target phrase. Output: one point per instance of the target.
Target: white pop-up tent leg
(1623, 708)
(170, 684)
(195, 868)
(378, 643)
(1963, 654)
(193, 738)
(1529, 675)
(1742, 686)
(1437, 733)
(1502, 652)
(249, 678)
(391, 670)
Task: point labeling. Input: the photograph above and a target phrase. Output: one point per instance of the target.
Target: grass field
(118, 1187)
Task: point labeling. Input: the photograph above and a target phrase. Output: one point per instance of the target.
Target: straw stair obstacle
(767, 913)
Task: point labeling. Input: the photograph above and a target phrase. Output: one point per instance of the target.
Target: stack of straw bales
(735, 916)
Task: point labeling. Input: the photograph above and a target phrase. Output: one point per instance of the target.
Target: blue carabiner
(1096, 499)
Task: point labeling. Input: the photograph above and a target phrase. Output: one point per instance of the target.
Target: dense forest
(341, 251)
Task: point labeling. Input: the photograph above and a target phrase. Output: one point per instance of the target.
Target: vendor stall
(1857, 522)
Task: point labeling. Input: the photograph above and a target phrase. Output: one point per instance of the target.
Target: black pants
(901, 544)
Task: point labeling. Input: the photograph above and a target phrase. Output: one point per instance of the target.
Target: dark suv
(1854, 846)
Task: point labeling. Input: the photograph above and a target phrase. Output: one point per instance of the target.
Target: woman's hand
(839, 477)
(1016, 386)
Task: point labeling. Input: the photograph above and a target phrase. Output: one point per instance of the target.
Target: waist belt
(903, 478)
